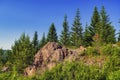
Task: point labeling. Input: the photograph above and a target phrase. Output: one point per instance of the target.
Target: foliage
(101, 26)
(108, 32)
(98, 39)
(118, 39)
(77, 70)
(52, 35)
(94, 28)
(114, 75)
(42, 41)
(35, 42)
(110, 49)
(4, 57)
(106, 49)
(73, 71)
(65, 35)
(112, 68)
(77, 31)
(92, 51)
(94, 21)
(87, 38)
(22, 52)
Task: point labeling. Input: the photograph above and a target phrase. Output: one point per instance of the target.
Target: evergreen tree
(119, 37)
(108, 32)
(35, 42)
(22, 52)
(94, 25)
(1, 57)
(95, 21)
(52, 35)
(42, 41)
(101, 26)
(64, 37)
(76, 33)
(119, 34)
(87, 38)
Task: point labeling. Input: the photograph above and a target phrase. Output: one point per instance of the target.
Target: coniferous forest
(99, 39)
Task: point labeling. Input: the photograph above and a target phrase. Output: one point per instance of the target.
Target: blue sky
(18, 16)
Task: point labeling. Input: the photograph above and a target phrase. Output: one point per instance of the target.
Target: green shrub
(73, 71)
(110, 50)
(76, 70)
(114, 75)
(92, 51)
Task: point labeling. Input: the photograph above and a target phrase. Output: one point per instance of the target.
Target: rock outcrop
(48, 56)
(52, 54)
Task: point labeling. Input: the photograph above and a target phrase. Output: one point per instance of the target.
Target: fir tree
(87, 38)
(42, 41)
(108, 32)
(76, 33)
(94, 21)
(35, 42)
(94, 25)
(1, 57)
(64, 37)
(22, 52)
(119, 36)
(101, 26)
(52, 35)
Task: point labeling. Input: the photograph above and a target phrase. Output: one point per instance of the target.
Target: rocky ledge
(48, 56)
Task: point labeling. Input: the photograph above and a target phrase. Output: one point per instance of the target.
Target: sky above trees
(18, 16)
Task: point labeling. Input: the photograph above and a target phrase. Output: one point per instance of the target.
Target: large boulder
(47, 57)
(52, 53)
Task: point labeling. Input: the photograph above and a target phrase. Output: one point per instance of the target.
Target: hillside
(48, 56)
(52, 54)
(55, 62)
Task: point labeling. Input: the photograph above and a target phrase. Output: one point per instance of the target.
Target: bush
(77, 70)
(92, 51)
(110, 50)
(73, 71)
(114, 75)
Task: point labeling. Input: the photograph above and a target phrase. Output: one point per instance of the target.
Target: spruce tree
(94, 21)
(94, 28)
(35, 42)
(119, 36)
(52, 35)
(22, 52)
(87, 37)
(76, 33)
(108, 31)
(64, 37)
(42, 41)
(1, 57)
(101, 26)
